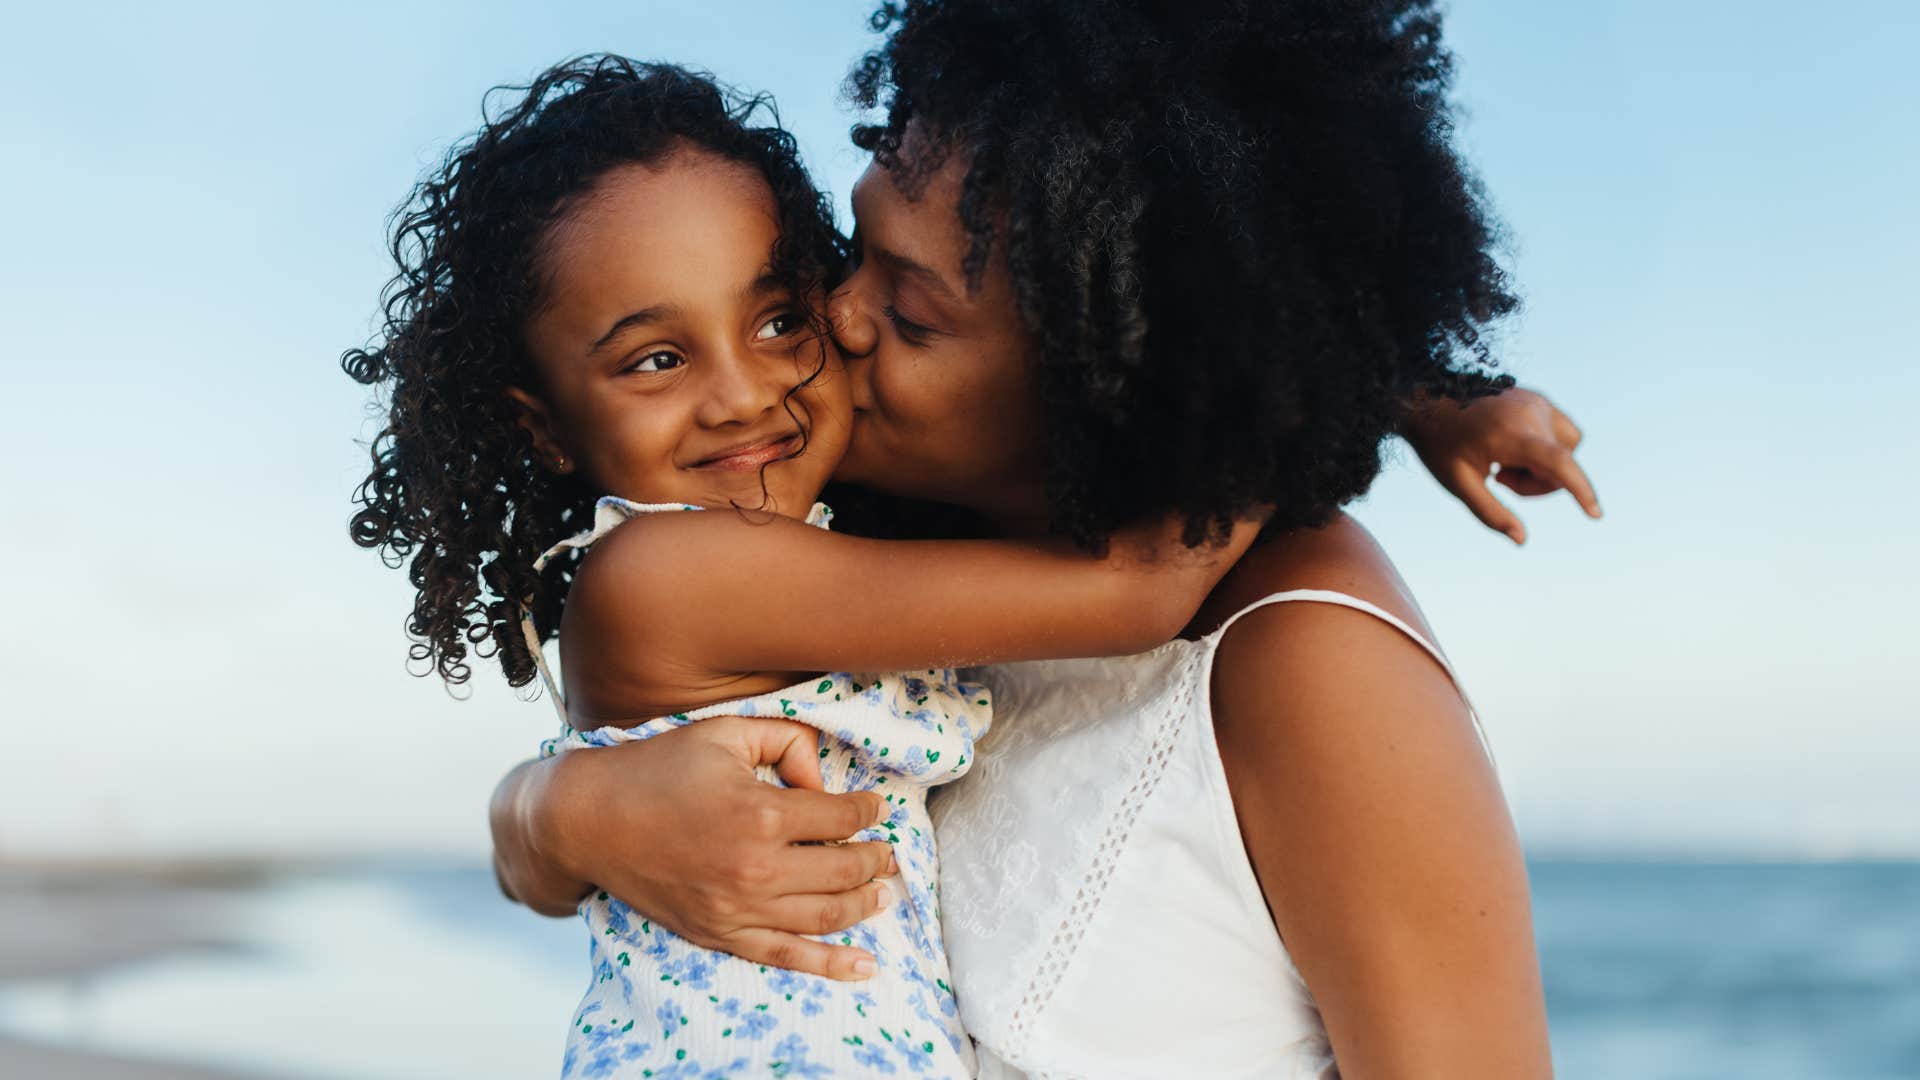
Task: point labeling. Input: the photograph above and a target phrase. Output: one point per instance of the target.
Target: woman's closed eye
(910, 332)
(656, 361)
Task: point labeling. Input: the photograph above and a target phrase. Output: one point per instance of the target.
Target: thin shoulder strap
(1340, 599)
(607, 513)
(532, 634)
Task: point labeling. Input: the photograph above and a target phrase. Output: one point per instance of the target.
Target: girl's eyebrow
(656, 313)
(766, 284)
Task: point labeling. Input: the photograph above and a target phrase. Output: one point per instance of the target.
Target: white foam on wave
(347, 977)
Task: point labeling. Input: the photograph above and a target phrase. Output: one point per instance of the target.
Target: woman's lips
(750, 456)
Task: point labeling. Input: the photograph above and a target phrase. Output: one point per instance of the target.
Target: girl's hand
(678, 828)
(1519, 432)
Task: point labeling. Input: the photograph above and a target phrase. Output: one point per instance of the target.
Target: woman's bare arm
(1376, 825)
(678, 828)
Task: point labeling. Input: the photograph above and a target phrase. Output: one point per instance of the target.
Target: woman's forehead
(922, 226)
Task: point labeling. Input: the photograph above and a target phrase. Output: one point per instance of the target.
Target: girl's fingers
(1525, 481)
(1558, 464)
(1565, 429)
(824, 914)
(776, 948)
(1470, 486)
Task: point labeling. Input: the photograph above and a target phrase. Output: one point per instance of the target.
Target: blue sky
(1713, 222)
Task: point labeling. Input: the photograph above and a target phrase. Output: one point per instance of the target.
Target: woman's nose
(853, 328)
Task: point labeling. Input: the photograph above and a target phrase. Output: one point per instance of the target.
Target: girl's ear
(533, 415)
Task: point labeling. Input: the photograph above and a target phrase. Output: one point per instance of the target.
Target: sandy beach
(21, 1059)
(66, 923)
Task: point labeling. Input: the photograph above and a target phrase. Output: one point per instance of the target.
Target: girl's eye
(661, 360)
(910, 332)
(779, 326)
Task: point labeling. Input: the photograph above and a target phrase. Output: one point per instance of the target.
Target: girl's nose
(741, 388)
(853, 327)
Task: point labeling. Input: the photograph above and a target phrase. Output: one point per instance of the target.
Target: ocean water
(1690, 970)
(1739, 970)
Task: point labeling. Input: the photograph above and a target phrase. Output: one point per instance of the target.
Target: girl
(609, 305)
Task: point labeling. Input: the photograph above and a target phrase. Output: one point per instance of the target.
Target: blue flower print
(754, 1025)
(693, 970)
(782, 981)
(790, 1060)
(817, 993)
(670, 1016)
(918, 1054)
(874, 1057)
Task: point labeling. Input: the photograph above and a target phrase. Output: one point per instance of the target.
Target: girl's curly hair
(454, 484)
(1238, 233)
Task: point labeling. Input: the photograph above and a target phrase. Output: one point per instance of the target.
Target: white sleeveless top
(1101, 915)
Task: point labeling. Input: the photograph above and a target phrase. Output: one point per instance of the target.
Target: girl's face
(945, 405)
(666, 353)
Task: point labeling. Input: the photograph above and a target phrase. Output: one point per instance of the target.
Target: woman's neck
(1016, 512)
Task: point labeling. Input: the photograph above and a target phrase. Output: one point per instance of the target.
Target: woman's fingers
(791, 748)
(777, 948)
(824, 914)
(832, 868)
(792, 816)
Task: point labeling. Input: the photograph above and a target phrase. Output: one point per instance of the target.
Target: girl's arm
(661, 597)
(1377, 828)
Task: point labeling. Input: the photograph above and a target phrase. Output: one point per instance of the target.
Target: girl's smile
(751, 455)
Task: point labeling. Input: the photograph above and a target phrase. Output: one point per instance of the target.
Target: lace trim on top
(1065, 942)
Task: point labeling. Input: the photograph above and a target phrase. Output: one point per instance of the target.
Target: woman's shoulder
(1291, 668)
(1371, 812)
(1340, 556)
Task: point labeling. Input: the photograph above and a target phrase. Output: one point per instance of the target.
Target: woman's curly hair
(455, 486)
(1238, 232)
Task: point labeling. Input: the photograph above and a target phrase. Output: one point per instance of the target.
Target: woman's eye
(911, 332)
(658, 361)
(779, 326)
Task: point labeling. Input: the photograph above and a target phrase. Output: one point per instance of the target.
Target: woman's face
(666, 352)
(945, 406)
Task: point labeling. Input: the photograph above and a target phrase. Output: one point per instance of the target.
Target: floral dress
(661, 1007)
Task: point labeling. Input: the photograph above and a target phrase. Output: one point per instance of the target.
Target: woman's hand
(1521, 433)
(678, 828)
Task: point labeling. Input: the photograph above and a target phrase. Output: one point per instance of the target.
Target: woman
(1119, 261)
